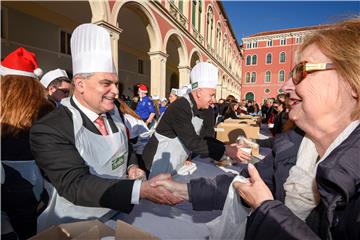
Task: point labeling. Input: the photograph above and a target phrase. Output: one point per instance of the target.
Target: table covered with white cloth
(179, 221)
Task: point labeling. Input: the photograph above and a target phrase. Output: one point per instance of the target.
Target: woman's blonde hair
(341, 43)
(23, 101)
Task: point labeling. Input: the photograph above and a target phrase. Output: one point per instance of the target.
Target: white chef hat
(204, 75)
(52, 75)
(91, 50)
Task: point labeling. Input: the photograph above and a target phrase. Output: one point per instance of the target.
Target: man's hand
(157, 193)
(150, 119)
(255, 191)
(178, 189)
(234, 151)
(136, 173)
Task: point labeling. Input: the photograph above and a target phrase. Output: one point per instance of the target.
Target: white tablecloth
(180, 221)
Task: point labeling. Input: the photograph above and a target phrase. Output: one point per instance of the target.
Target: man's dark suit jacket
(53, 146)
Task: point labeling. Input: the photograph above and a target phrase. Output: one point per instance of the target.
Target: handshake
(163, 189)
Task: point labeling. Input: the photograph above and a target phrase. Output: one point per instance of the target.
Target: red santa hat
(20, 62)
(142, 88)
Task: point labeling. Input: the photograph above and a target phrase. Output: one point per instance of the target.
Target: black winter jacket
(338, 180)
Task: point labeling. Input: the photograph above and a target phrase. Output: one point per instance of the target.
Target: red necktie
(101, 123)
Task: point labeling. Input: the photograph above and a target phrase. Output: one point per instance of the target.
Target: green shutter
(200, 12)
(193, 14)
(181, 5)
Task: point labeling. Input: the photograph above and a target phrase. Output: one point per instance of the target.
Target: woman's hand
(255, 192)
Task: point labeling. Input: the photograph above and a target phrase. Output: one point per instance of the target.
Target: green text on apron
(171, 153)
(106, 156)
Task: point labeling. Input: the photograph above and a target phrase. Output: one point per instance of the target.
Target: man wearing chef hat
(82, 147)
(58, 85)
(178, 132)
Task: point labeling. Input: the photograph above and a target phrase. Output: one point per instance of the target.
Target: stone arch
(144, 11)
(193, 54)
(182, 50)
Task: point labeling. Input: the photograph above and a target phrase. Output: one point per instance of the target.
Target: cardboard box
(229, 132)
(93, 229)
(242, 121)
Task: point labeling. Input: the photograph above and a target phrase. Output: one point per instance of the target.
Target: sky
(250, 17)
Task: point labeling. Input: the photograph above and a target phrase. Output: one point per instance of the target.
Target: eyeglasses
(302, 69)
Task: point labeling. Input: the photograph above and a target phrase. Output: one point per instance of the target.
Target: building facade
(154, 42)
(268, 60)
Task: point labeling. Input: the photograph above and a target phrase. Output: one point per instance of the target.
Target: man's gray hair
(83, 75)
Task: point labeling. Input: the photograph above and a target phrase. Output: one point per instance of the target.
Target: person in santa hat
(21, 62)
(145, 107)
(23, 102)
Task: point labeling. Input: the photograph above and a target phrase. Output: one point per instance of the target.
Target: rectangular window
(65, 42)
(267, 77)
(247, 78)
(269, 43)
(140, 66)
(253, 77)
(283, 41)
(254, 45)
(298, 40)
(248, 45)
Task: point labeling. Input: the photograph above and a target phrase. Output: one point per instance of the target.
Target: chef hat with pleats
(204, 75)
(91, 50)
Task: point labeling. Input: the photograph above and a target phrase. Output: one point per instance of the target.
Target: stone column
(218, 92)
(115, 32)
(158, 73)
(184, 75)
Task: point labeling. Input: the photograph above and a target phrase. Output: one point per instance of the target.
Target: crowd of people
(75, 149)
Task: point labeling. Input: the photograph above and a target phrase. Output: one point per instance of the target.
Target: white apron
(106, 156)
(137, 128)
(171, 153)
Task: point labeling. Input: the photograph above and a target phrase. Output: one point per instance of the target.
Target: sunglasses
(302, 69)
(63, 90)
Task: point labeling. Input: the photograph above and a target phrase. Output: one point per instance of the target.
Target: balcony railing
(197, 35)
(178, 15)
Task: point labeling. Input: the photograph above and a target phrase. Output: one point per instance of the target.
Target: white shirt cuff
(135, 195)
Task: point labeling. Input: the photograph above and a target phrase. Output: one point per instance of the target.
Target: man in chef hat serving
(82, 147)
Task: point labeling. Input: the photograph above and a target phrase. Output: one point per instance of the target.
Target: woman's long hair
(125, 109)
(23, 101)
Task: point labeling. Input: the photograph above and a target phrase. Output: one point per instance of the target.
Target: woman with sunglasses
(309, 187)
